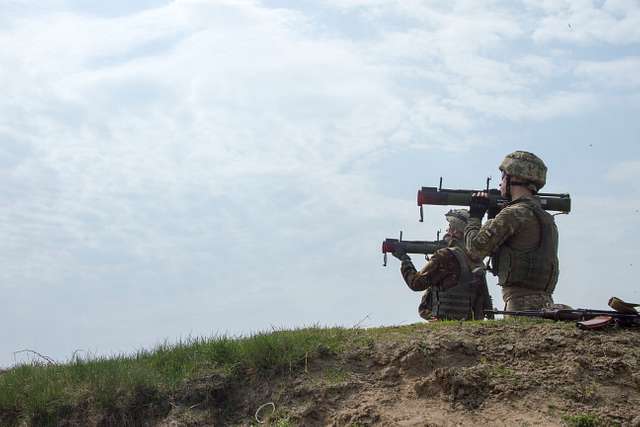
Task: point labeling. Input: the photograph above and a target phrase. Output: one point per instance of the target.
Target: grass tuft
(41, 394)
(582, 420)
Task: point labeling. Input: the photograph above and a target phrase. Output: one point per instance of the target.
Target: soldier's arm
(482, 240)
(416, 280)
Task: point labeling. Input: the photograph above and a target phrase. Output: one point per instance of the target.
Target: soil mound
(494, 373)
(502, 373)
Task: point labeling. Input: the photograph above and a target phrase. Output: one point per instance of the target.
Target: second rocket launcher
(424, 247)
(559, 202)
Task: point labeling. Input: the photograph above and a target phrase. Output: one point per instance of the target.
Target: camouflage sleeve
(417, 281)
(482, 240)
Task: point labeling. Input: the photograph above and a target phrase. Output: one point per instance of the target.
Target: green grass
(278, 418)
(582, 420)
(502, 372)
(46, 393)
(334, 375)
(282, 422)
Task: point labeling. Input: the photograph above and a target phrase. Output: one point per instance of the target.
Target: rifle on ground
(560, 202)
(426, 247)
(584, 318)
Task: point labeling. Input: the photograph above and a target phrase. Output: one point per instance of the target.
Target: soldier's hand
(401, 254)
(479, 205)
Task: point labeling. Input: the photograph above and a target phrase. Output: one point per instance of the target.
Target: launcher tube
(413, 246)
(451, 197)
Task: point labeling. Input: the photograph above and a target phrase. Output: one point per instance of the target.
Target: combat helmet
(525, 168)
(457, 218)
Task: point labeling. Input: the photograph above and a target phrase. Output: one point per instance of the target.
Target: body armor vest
(459, 301)
(536, 268)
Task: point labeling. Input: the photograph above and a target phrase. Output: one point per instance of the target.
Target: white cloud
(627, 172)
(524, 107)
(537, 67)
(584, 22)
(197, 94)
(125, 149)
(621, 73)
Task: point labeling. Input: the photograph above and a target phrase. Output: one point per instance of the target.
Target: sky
(192, 168)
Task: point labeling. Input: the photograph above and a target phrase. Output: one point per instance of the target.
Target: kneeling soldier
(455, 287)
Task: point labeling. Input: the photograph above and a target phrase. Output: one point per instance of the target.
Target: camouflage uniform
(452, 291)
(523, 241)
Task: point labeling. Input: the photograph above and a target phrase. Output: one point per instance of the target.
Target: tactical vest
(456, 302)
(536, 268)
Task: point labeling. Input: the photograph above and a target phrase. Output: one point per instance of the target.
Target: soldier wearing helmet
(453, 290)
(522, 239)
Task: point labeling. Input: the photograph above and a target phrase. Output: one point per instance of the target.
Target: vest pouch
(532, 270)
(454, 303)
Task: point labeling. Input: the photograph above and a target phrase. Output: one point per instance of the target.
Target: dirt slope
(495, 374)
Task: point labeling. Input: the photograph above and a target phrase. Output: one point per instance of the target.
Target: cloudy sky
(198, 167)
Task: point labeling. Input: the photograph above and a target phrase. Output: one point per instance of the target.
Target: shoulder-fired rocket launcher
(559, 202)
(425, 247)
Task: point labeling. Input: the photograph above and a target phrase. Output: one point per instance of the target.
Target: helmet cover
(525, 167)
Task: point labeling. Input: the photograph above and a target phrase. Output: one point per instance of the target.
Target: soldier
(453, 291)
(522, 239)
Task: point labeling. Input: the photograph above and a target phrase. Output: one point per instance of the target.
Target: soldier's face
(453, 233)
(503, 185)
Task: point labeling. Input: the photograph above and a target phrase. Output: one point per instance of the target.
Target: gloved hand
(401, 254)
(478, 206)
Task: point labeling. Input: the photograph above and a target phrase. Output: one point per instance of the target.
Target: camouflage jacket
(441, 278)
(438, 270)
(516, 225)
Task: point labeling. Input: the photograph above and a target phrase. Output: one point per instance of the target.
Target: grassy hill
(447, 373)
